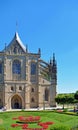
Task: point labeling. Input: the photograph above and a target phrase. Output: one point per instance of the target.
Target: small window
(32, 99)
(32, 90)
(15, 49)
(20, 88)
(12, 88)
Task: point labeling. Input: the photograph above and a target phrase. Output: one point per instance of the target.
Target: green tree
(64, 99)
(76, 97)
(60, 99)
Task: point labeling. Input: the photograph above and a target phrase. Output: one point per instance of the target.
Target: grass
(57, 118)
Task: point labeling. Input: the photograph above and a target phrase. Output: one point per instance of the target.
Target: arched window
(33, 68)
(46, 94)
(16, 68)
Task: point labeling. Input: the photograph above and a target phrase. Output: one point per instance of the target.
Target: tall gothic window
(33, 68)
(0, 68)
(16, 67)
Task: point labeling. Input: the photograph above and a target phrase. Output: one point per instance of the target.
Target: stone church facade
(26, 81)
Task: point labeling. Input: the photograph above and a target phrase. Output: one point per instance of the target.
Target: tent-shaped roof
(18, 40)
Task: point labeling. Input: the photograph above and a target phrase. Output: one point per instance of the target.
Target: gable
(16, 46)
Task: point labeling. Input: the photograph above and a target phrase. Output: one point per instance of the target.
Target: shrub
(59, 127)
(65, 110)
(75, 128)
(23, 110)
(2, 129)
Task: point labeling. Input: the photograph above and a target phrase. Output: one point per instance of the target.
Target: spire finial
(54, 61)
(16, 26)
(53, 56)
(39, 51)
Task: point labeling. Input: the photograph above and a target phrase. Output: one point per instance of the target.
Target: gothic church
(26, 81)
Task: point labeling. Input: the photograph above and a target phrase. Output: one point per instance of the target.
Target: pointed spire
(17, 38)
(50, 61)
(54, 66)
(54, 61)
(39, 51)
(16, 35)
(26, 48)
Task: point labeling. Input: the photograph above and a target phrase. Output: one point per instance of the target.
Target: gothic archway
(16, 102)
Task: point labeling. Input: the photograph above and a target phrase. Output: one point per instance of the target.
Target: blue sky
(51, 25)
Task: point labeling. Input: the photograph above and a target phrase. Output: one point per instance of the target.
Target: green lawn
(58, 119)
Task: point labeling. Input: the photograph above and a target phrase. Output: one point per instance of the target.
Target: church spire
(54, 68)
(54, 61)
(39, 51)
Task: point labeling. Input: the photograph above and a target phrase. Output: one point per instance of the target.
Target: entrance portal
(16, 105)
(16, 102)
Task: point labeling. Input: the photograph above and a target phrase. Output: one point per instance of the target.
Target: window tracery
(16, 67)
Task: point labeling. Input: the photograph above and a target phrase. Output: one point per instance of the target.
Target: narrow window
(46, 94)
(16, 67)
(33, 68)
(32, 90)
(12, 88)
(15, 49)
(32, 99)
(0, 68)
(20, 88)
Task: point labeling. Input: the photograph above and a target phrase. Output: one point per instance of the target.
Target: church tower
(53, 79)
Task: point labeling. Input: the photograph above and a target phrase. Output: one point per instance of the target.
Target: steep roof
(18, 40)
